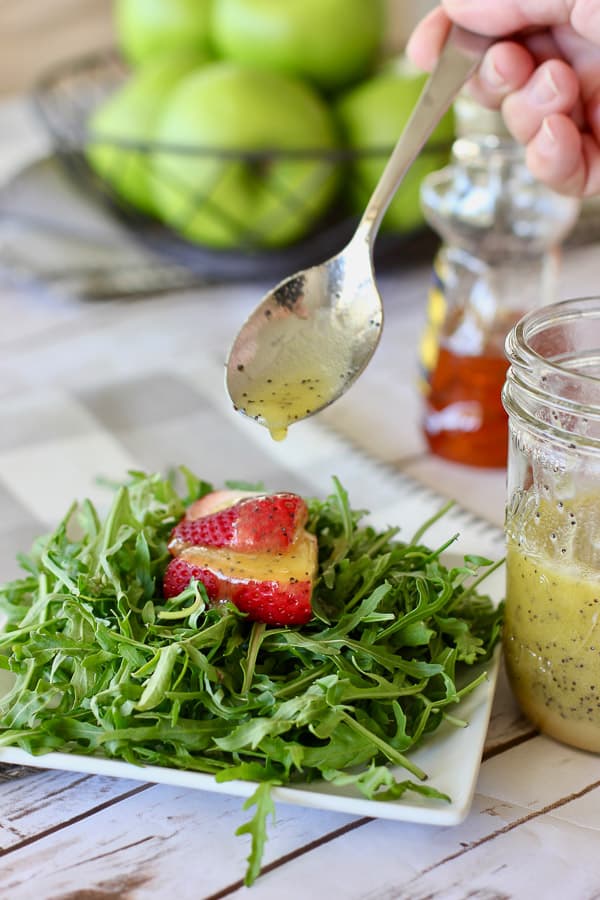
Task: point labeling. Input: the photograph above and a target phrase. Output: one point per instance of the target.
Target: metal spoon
(314, 333)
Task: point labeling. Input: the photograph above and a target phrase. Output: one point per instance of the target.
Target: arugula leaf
(103, 665)
(257, 828)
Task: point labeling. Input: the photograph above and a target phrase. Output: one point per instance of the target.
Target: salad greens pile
(103, 665)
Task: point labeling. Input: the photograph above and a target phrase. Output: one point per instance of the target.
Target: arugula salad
(103, 664)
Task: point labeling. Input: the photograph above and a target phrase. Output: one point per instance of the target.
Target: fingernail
(544, 89)
(546, 140)
(490, 74)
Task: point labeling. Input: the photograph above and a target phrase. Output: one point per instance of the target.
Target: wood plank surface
(143, 845)
(150, 840)
(36, 803)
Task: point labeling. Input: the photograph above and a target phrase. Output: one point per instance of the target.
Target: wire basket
(67, 96)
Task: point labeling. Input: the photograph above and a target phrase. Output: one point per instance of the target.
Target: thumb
(516, 15)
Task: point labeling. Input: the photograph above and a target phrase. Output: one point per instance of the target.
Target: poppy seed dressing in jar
(552, 623)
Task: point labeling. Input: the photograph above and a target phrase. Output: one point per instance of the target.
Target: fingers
(510, 15)
(506, 67)
(428, 38)
(515, 15)
(551, 105)
(564, 158)
(553, 88)
(585, 19)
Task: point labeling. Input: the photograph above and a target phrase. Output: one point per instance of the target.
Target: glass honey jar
(501, 230)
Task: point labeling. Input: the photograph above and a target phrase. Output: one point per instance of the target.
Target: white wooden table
(534, 829)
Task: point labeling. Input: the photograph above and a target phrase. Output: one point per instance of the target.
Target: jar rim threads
(554, 357)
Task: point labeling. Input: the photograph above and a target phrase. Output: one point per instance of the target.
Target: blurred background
(37, 33)
(89, 89)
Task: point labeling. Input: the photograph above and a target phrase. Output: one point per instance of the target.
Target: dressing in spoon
(314, 333)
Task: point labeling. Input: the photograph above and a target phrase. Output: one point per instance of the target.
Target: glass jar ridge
(488, 202)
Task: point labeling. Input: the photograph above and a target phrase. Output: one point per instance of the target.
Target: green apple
(329, 42)
(148, 28)
(213, 195)
(372, 117)
(128, 117)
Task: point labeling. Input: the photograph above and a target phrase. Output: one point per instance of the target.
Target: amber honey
(464, 419)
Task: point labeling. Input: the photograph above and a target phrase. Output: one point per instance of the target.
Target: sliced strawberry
(273, 602)
(215, 501)
(251, 549)
(261, 524)
(179, 574)
(263, 601)
(272, 589)
(216, 530)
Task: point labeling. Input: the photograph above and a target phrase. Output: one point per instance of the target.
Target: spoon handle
(460, 57)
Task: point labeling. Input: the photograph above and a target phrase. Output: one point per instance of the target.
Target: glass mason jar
(552, 627)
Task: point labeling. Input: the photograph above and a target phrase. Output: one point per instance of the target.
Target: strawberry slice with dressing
(271, 588)
(180, 572)
(267, 523)
(251, 549)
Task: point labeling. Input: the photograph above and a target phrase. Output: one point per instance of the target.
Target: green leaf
(378, 783)
(257, 828)
(158, 683)
(468, 645)
(196, 487)
(237, 485)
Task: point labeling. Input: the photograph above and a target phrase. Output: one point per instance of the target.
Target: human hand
(545, 77)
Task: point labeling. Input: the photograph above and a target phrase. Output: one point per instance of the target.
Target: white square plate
(451, 757)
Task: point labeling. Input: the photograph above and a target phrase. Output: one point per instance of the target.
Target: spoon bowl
(307, 341)
(311, 336)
